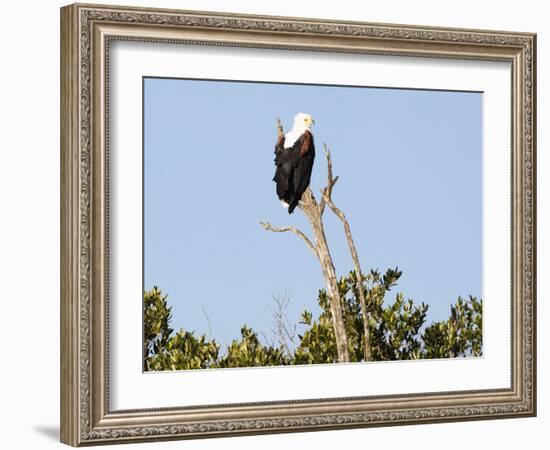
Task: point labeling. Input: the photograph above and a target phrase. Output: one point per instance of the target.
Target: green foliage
(318, 343)
(156, 322)
(249, 352)
(397, 332)
(185, 351)
(394, 329)
(163, 350)
(460, 335)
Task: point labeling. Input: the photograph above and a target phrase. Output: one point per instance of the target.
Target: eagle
(294, 156)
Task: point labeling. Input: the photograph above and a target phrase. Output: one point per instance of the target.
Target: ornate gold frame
(86, 31)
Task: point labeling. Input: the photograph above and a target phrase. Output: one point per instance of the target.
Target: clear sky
(410, 167)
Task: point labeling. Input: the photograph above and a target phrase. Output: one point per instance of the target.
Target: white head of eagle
(294, 156)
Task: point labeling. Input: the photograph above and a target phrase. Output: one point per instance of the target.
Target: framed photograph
(276, 224)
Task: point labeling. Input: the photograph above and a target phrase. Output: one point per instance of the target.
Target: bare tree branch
(327, 199)
(280, 133)
(207, 320)
(268, 341)
(327, 190)
(267, 226)
(283, 332)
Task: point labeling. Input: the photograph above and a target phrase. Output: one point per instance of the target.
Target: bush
(398, 331)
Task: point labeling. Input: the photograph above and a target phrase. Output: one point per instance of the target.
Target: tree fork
(327, 199)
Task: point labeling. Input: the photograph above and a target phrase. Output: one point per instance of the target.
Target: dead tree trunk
(313, 212)
(320, 249)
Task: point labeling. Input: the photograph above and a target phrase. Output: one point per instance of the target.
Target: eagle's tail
(292, 205)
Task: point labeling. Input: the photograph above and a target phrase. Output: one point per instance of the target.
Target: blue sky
(410, 167)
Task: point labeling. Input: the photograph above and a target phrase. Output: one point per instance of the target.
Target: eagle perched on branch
(294, 156)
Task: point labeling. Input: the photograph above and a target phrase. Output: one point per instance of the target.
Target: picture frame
(87, 33)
